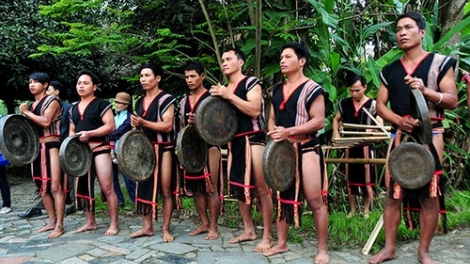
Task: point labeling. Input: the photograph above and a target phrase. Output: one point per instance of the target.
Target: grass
(343, 232)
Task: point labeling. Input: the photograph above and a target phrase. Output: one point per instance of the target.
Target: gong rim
(419, 110)
(411, 165)
(19, 140)
(279, 165)
(216, 120)
(136, 156)
(191, 150)
(75, 157)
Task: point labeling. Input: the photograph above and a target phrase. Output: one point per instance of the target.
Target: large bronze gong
(279, 165)
(192, 150)
(419, 111)
(75, 156)
(136, 156)
(216, 120)
(411, 165)
(19, 140)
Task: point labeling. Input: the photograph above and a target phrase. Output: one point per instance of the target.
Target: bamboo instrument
(361, 133)
(373, 236)
(355, 160)
(359, 126)
(360, 139)
(376, 122)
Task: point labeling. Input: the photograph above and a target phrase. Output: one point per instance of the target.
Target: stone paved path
(20, 243)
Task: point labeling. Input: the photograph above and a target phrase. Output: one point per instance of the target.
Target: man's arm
(250, 107)
(165, 126)
(336, 121)
(466, 78)
(448, 91)
(50, 113)
(405, 124)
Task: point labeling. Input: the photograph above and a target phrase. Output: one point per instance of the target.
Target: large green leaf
(464, 24)
(370, 30)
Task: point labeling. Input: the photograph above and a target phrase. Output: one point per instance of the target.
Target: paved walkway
(20, 243)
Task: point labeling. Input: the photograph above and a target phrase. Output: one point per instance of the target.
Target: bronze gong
(19, 140)
(191, 149)
(75, 157)
(136, 156)
(279, 165)
(216, 120)
(419, 111)
(411, 165)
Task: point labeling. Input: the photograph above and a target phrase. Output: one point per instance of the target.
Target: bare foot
(242, 238)
(199, 230)
(212, 235)
(86, 227)
(46, 228)
(142, 232)
(264, 245)
(322, 258)
(56, 233)
(277, 249)
(425, 258)
(383, 255)
(167, 237)
(112, 231)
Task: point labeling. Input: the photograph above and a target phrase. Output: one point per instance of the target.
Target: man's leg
(167, 195)
(392, 218)
(427, 223)
(352, 205)
(281, 246)
(105, 179)
(264, 196)
(57, 193)
(201, 208)
(147, 230)
(312, 188)
(213, 196)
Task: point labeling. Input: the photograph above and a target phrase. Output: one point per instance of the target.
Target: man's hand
(23, 107)
(220, 90)
(407, 124)
(279, 133)
(136, 120)
(191, 118)
(415, 83)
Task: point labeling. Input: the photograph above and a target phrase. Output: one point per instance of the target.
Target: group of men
(297, 113)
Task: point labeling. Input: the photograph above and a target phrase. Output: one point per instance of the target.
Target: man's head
(410, 30)
(194, 74)
(151, 76)
(357, 86)
(57, 89)
(233, 60)
(294, 57)
(38, 82)
(87, 83)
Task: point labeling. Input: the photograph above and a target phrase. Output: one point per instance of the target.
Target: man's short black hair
(238, 52)
(352, 78)
(417, 17)
(302, 51)
(156, 69)
(63, 92)
(193, 65)
(41, 77)
(94, 78)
